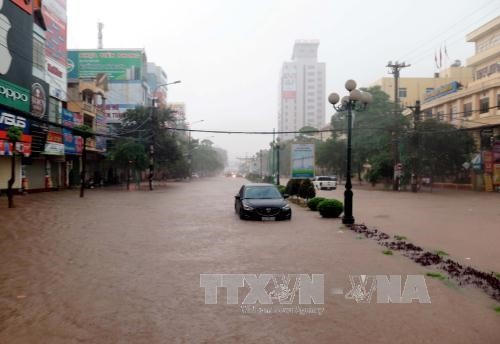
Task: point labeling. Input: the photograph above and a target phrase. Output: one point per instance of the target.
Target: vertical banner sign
(72, 144)
(101, 128)
(488, 162)
(302, 160)
(289, 85)
(496, 162)
(54, 12)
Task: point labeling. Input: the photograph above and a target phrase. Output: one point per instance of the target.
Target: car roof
(258, 184)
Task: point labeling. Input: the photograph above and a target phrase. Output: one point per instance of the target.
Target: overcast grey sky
(228, 53)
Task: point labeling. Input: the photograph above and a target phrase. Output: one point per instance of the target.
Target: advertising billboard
(39, 108)
(54, 12)
(442, 91)
(496, 162)
(25, 5)
(100, 128)
(72, 144)
(302, 160)
(289, 85)
(15, 54)
(7, 120)
(54, 144)
(119, 65)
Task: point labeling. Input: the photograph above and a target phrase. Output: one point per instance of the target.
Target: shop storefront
(7, 148)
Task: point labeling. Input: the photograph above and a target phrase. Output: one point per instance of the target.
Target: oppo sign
(14, 96)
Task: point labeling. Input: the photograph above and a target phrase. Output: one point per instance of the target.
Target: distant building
(86, 105)
(127, 76)
(156, 79)
(302, 90)
(180, 110)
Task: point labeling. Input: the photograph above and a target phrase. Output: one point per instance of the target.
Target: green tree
(148, 126)
(373, 132)
(331, 155)
(14, 135)
(306, 189)
(85, 132)
(436, 149)
(307, 131)
(130, 155)
(207, 160)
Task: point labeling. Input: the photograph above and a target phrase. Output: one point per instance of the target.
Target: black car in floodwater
(261, 201)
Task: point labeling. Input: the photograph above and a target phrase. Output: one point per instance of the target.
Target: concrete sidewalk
(465, 224)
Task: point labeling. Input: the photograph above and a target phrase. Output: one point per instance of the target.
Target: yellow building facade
(413, 89)
(475, 105)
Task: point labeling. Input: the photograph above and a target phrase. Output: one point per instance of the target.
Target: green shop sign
(14, 96)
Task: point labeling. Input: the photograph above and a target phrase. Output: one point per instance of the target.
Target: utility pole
(273, 169)
(100, 26)
(260, 156)
(416, 118)
(278, 162)
(152, 146)
(395, 69)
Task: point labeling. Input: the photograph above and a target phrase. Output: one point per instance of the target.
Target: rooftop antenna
(100, 26)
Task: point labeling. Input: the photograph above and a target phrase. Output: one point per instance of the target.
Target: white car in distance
(325, 182)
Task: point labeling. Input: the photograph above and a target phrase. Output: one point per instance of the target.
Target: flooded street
(124, 267)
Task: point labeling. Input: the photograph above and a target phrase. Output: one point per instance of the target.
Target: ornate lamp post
(355, 101)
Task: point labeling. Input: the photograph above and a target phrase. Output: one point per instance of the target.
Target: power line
(425, 52)
(425, 42)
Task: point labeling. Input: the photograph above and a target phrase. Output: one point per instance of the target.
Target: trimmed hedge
(330, 208)
(313, 203)
(282, 189)
(292, 187)
(306, 189)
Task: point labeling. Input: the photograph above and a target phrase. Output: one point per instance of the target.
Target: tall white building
(302, 90)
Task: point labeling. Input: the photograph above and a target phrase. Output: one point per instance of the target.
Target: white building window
(38, 54)
(484, 105)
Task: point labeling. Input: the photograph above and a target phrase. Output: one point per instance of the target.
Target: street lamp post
(153, 123)
(355, 101)
(278, 161)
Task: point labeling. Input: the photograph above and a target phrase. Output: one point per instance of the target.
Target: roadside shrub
(313, 203)
(266, 179)
(292, 187)
(282, 189)
(253, 177)
(306, 189)
(330, 208)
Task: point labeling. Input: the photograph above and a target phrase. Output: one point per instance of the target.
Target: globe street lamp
(153, 123)
(275, 146)
(355, 101)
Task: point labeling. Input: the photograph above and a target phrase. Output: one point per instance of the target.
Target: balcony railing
(89, 107)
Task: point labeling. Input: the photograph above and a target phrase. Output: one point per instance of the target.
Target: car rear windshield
(265, 192)
(325, 178)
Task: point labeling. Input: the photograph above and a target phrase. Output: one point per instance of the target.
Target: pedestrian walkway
(464, 224)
